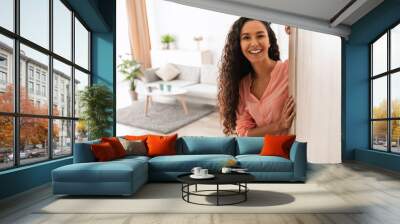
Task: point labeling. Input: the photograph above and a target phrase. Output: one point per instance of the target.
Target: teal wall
(355, 86)
(24, 178)
(100, 17)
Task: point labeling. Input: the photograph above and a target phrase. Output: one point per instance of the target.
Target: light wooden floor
(378, 189)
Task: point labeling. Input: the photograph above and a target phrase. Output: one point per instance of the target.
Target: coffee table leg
(245, 193)
(217, 194)
(196, 187)
(146, 105)
(183, 102)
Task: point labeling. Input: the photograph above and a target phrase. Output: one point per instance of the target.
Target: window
(62, 29)
(7, 14)
(30, 72)
(6, 73)
(30, 88)
(81, 45)
(44, 91)
(3, 78)
(34, 22)
(37, 74)
(62, 74)
(38, 89)
(3, 61)
(385, 91)
(3, 72)
(54, 125)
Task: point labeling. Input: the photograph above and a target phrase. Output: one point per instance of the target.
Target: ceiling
(326, 16)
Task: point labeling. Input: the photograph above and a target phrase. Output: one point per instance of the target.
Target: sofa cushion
(196, 145)
(209, 74)
(188, 73)
(257, 163)
(185, 163)
(202, 90)
(167, 72)
(112, 171)
(249, 145)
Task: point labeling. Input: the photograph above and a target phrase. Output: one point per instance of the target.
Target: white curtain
(317, 68)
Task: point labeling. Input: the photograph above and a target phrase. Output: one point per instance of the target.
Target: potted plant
(96, 103)
(130, 68)
(166, 40)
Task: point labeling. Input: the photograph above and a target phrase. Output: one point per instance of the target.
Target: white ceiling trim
(348, 12)
(274, 16)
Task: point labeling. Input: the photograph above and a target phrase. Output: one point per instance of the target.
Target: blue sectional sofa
(125, 176)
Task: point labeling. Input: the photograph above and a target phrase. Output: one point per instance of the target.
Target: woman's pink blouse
(252, 112)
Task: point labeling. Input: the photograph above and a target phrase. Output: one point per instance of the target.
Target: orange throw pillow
(116, 145)
(278, 145)
(136, 137)
(103, 152)
(161, 145)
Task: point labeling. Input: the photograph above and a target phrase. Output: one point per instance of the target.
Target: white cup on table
(203, 172)
(196, 171)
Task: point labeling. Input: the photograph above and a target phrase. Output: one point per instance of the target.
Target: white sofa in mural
(200, 83)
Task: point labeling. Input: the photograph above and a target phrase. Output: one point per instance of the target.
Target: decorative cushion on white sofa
(167, 72)
(209, 74)
(149, 75)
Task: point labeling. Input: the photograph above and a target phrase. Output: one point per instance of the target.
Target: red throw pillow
(161, 145)
(116, 145)
(103, 152)
(278, 145)
(136, 137)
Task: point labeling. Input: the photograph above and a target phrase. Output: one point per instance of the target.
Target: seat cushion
(111, 171)
(185, 163)
(203, 90)
(257, 163)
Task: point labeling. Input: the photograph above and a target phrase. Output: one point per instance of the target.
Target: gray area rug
(162, 118)
(166, 198)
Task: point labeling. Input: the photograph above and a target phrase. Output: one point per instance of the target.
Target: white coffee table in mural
(178, 93)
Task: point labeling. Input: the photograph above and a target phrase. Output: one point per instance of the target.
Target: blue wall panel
(356, 85)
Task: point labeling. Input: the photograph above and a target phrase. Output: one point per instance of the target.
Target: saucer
(208, 176)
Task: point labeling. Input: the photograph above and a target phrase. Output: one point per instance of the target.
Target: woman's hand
(288, 114)
(287, 29)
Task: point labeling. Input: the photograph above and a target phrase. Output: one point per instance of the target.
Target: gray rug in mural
(162, 118)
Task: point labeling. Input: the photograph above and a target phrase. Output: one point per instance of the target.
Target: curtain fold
(139, 32)
(318, 95)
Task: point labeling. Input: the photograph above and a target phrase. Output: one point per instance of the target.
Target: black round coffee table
(238, 179)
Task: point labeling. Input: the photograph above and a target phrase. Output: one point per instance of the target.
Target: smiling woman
(253, 86)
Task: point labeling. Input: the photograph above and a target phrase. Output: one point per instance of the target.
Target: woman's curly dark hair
(235, 66)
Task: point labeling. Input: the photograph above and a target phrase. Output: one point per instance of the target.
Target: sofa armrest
(298, 155)
(83, 152)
